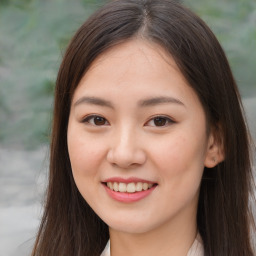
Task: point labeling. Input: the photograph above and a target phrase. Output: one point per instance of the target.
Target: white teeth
(122, 187)
(115, 186)
(129, 187)
(145, 186)
(110, 185)
(139, 186)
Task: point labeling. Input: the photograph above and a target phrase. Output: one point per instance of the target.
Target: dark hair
(69, 226)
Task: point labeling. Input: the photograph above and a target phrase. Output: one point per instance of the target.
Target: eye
(96, 120)
(160, 121)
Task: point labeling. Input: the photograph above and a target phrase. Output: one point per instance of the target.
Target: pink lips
(126, 197)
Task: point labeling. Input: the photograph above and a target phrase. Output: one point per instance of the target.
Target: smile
(129, 187)
(128, 190)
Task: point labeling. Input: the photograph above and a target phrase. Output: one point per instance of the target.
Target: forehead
(135, 68)
(137, 51)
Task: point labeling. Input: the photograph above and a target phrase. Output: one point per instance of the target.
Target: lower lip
(128, 197)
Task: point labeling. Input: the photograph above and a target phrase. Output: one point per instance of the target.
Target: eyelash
(164, 120)
(167, 121)
(93, 117)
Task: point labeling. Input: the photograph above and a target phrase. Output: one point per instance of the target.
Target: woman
(149, 144)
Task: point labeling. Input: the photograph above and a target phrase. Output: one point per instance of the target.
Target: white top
(197, 248)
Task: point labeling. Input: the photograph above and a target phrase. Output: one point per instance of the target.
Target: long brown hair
(69, 226)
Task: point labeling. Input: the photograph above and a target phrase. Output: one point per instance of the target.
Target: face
(137, 139)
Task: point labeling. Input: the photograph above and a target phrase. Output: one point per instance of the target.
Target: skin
(128, 142)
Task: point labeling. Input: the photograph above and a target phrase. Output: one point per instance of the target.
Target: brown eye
(96, 120)
(160, 121)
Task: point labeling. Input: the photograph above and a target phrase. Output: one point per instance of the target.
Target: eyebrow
(142, 103)
(159, 100)
(94, 101)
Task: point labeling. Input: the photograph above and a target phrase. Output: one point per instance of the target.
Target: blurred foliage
(234, 24)
(33, 37)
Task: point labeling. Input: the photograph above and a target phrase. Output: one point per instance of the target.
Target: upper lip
(127, 180)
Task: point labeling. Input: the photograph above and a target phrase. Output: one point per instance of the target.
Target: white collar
(196, 249)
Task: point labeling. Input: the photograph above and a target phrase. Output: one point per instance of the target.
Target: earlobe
(215, 151)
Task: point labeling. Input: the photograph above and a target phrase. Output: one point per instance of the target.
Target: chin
(130, 225)
(132, 228)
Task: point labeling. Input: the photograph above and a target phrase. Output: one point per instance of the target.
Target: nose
(125, 150)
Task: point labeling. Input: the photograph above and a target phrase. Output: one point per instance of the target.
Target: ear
(215, 149)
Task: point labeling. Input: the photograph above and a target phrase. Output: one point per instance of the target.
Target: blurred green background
(33, 37)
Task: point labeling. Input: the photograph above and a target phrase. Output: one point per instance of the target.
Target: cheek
(86, 159)
(85, 154)
(171, 152)
(180, 167)
(180, 159)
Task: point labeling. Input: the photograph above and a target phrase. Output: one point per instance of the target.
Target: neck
(174, 238)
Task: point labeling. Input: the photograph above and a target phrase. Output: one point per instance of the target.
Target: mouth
(128, 190)
(131, 187)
